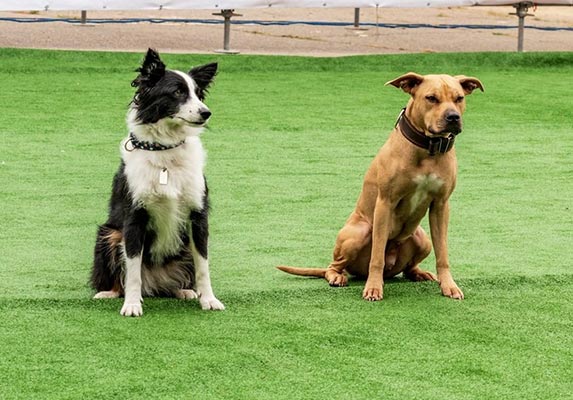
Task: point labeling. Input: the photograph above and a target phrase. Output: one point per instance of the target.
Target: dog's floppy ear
(203, 76)
(469, 84)
(408, 82)
(151, 71)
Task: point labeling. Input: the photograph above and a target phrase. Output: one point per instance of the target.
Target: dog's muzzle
(453, 122)
(205, 115)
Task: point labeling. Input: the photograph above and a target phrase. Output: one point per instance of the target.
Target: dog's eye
(179, 93)
(459, 99)
(432, 99)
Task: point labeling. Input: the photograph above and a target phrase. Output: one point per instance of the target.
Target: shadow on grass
(396, 289)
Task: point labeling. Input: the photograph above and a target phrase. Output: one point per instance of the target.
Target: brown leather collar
(438, 144)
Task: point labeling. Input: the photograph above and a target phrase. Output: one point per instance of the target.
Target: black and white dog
(154, 242)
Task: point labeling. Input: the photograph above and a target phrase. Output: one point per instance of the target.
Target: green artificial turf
(288, 144)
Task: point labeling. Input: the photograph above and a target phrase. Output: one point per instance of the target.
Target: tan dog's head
(438, 101)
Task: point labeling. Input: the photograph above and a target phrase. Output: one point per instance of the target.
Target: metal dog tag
(163, 176)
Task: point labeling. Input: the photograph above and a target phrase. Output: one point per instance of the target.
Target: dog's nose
(205, 114)
(452, 117)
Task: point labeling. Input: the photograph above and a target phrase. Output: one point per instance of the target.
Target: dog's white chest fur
(425, 185)
(168, 184)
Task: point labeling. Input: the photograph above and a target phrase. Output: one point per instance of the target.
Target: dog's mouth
(192, 123)
(449, 129)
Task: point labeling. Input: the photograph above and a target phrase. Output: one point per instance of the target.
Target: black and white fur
(154, 242)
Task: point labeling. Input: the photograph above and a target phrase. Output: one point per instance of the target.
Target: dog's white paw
(186, 294)
(110, 294)
(132, 310)
(211, 303)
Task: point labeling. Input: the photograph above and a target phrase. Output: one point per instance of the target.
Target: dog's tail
(315, 272)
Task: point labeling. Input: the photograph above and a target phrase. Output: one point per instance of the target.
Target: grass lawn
(289, 142)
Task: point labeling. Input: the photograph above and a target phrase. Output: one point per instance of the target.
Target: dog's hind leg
(351, 240)
(186, 294)
(106, 269)
(410, 254)
(107, 294)
(422, 249)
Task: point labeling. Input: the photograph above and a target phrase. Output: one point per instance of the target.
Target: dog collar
(150, 146)
(438, 144)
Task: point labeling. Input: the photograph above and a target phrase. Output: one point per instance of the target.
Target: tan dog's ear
(469, 84)
(408, 82)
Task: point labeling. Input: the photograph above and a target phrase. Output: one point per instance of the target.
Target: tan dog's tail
(315, 272)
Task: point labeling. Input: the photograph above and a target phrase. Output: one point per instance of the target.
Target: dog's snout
(205, 114)
(452, 116)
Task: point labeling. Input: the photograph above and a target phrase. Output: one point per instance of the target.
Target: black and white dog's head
(168, 104)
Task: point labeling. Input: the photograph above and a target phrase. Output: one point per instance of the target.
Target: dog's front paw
(132, 310)
(452, 291)
(211, 303)
(372, 294)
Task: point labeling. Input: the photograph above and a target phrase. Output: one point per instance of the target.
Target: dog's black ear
(203, 76)
(151, 71)
(408, 82)
(469, 84)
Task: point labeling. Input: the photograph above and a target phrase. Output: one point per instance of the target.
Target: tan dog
(415, 170)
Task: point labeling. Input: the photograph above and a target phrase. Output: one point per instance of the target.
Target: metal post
(356, 26)
(84, 20)
(356, 18)
(227, 14)
(521, 12)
